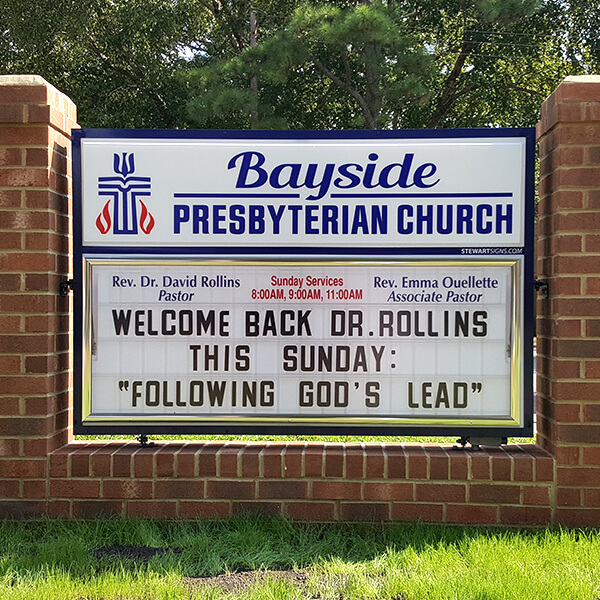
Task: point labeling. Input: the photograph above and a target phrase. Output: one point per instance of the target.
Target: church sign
(304, 282)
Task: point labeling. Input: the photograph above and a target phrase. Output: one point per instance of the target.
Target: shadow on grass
(210, 548)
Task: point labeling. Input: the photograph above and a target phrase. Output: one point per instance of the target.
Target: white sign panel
(458, 192)
(342, 342)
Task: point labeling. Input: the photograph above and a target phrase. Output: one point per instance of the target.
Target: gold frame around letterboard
(516, 343)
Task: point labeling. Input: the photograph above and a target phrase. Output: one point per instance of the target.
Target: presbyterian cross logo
(125, 193)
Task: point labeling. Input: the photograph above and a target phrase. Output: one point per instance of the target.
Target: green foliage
(117, 59)
(496, 67)
(401, 64)
(359, 61)
(313, 65)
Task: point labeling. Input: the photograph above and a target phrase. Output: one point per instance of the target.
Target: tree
(400, 63)
(497, 61)
(362, 53)
(317, 64)
(220, 78)
(117, 59)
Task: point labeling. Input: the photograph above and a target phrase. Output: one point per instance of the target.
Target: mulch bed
(235, 582)
(228, 582)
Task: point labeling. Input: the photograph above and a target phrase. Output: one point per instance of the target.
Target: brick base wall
(307, 481)
(569, 321)
(35, 125)
(44, 472)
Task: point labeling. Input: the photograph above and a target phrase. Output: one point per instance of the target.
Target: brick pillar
(568, 323)
(35, 171)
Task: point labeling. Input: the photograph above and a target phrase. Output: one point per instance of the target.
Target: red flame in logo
(103, 222)
(146, 219)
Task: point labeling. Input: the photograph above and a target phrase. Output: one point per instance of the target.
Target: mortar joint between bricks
(303, 466)
(282, 459)
(238, 460)
(196, 463)
(284, 467)
(47, 486)
(261, 462)
(283, 470)
(131, 465)
(111, 470)
(363, 447)
(175, 468)
(176, 464)
(263, 470)
(521, 496)
(69, 460)
(554, 491)
(218, 458)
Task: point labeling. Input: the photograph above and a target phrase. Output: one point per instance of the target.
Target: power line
(499, 33)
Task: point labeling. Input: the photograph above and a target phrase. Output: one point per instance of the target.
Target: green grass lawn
(258, 558)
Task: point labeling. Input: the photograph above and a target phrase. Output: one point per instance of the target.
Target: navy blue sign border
(81, 428)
